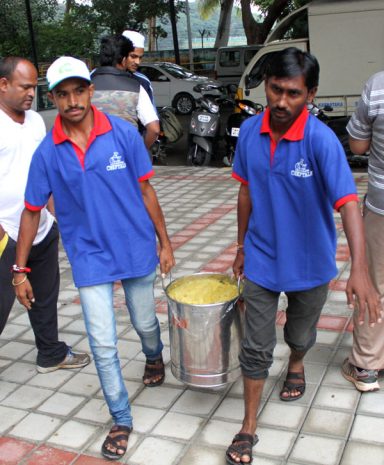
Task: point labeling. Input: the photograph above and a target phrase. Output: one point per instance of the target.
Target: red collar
(295, 132)
(101, 126)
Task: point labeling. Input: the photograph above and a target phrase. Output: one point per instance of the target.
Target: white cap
(64, 68)
(135, 37)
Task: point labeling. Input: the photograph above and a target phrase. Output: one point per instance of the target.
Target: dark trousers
(303, 313)
(45, 281)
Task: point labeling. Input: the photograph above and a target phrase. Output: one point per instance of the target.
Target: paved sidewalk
(61, 419)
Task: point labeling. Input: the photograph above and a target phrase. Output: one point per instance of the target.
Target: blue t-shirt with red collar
(105, 227)
(294, 185)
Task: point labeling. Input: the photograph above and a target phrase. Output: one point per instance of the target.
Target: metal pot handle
(238, 285)
(163, 275)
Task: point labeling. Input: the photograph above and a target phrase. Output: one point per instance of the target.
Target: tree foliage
(75, 26)
(256, 29)
(72, 28)
(272, 11)
(14, 33)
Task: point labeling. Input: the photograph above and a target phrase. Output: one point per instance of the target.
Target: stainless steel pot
(204, 339)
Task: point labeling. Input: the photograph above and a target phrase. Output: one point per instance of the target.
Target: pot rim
(200, 273)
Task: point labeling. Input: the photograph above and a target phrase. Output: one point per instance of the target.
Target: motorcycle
(203, 129)
(338, 126)
(170, 131)
(243, 109)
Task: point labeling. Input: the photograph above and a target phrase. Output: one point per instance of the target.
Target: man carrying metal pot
(293, 173)
(97, 169)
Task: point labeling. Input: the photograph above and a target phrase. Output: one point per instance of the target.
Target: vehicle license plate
(235, 132)
(204, 118)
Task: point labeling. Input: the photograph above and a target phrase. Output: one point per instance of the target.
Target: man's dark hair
(8, 66)
(114, 49)
(292, 62)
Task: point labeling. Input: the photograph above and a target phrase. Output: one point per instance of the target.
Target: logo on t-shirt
(301, 170)
(116, 163)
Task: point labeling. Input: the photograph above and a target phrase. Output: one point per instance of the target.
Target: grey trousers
(303, 313)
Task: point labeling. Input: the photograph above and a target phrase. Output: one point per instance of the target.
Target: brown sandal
(123, 433)
(154, 369)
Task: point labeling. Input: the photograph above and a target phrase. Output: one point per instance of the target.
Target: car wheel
(184, 103)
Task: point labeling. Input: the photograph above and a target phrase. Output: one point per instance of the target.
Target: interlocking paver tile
(196, 402)
(27, 396)
(156, 451)
(13, 451)
(10, 417)
(96, 410)
(372, 404)
(328, 422)
(50, 456)
(73, 435)
(35, 427)
(177, 425)
(162, 397)
(144, 419)
(317, 450)
(284, 415)
(357, 453)
(336, 397)
(273, 442)
(61, 404)
(368, 428)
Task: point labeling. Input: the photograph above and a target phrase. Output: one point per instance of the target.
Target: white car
(173, 85)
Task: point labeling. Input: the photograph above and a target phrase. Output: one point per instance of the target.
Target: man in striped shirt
(366, 130)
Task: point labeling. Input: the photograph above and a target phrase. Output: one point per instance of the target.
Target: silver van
(232, 61)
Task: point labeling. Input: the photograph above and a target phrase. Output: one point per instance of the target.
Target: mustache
(74, 107)
(280, 110)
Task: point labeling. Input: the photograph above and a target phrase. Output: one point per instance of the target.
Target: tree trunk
(255, 32)
(224, 27)
(152, 34)
(68, 6)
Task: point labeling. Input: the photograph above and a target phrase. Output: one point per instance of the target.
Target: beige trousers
(368, 343)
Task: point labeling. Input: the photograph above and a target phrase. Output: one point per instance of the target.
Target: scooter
(338, 126)
(243, 109)
(203, 129)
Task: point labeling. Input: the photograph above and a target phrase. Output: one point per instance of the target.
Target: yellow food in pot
(203, 290)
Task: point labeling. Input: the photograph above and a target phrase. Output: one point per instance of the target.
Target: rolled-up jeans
(99, 316)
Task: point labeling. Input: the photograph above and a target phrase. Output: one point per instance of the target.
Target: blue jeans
(99, 316)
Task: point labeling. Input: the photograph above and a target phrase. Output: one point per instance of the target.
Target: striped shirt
(368, 123)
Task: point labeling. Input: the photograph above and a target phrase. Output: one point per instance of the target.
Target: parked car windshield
(176, 71)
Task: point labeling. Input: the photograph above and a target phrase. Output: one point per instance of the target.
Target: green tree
(272, 11)
(256, 30)
(207, 7)
(116, 15)
(14, 33)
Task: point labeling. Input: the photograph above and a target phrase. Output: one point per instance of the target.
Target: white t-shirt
(145, 110)
(17, 145)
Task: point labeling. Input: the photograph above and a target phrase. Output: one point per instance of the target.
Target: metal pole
(31, 33)
(172, 15)
(191, 65)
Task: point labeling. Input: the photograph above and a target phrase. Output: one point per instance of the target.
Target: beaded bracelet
(240, 246)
